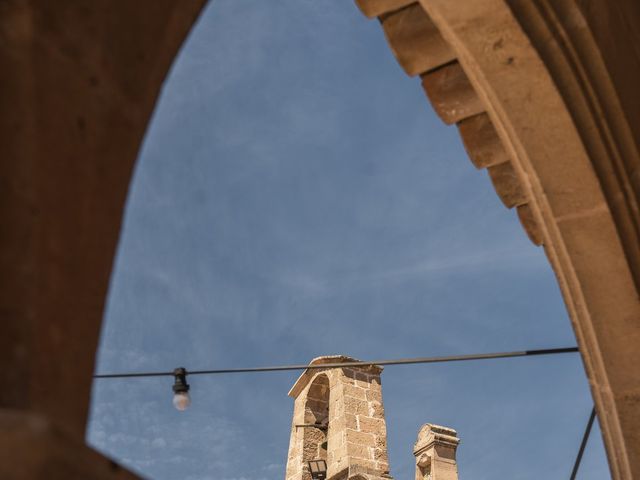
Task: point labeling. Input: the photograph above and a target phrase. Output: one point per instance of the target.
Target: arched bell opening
(316, 423)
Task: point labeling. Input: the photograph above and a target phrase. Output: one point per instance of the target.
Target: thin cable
(583, 444)
(406, 361)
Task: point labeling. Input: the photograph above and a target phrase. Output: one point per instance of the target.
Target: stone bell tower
(338, 417)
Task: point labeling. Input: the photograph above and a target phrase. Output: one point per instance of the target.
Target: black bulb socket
(180, 385)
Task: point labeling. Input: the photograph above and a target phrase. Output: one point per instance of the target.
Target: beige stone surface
(507, 184)
(557, 78)
(558, 84)
(350, 399)
(415, 40)
(451, 94)
(374, 8)
(530, 224)
(435, 452)
(79, 82)
(33, 448)
(482, 142)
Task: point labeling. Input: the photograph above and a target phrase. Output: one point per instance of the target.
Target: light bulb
(181, 398)
(181, 401)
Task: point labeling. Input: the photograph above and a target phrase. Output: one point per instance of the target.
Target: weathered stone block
(383, 467)
(32, 448)
(530, 224)
(376, 410)
(374, 394)
(337, 409)
(363, 377)
(379, 454)
(451, 94)
(481, 141)
(375, 8)
(356, 450)
(355, 392)
(415, 40)
(363, 384)
(351, 421)
(361, 438)
(340, 451)
(507, 185)
(372, 425)
(355, 406)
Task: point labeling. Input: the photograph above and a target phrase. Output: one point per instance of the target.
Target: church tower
(338, 417)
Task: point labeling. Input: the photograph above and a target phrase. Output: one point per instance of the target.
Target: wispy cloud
(469, 263)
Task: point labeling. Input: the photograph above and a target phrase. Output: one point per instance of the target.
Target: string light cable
(403, 361)
(181, 399)
(583, 444)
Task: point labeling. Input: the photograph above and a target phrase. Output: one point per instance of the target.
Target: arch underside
(539, 104)
(316, 412)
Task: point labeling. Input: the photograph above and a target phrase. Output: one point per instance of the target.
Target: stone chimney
(338, 417)
(435, 452)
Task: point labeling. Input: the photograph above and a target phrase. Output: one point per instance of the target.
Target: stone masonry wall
(356, 435)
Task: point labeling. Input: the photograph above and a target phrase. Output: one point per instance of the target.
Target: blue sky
(296, 196)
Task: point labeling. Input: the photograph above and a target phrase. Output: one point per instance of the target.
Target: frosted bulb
(181, 401)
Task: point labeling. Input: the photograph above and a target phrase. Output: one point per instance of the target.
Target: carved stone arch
(543, 99)
(78, 87)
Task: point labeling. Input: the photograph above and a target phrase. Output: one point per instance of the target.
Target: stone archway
(316, 412)
(77, 88)
(79, 84)
(543, 102)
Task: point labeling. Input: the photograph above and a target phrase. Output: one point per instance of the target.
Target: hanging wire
(405, 361)
(583, 444)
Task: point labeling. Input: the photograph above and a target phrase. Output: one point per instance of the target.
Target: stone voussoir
(481, 141)
(507, 184)
(451, 94)
(415, 40)
(530, 224)
(375, 8)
